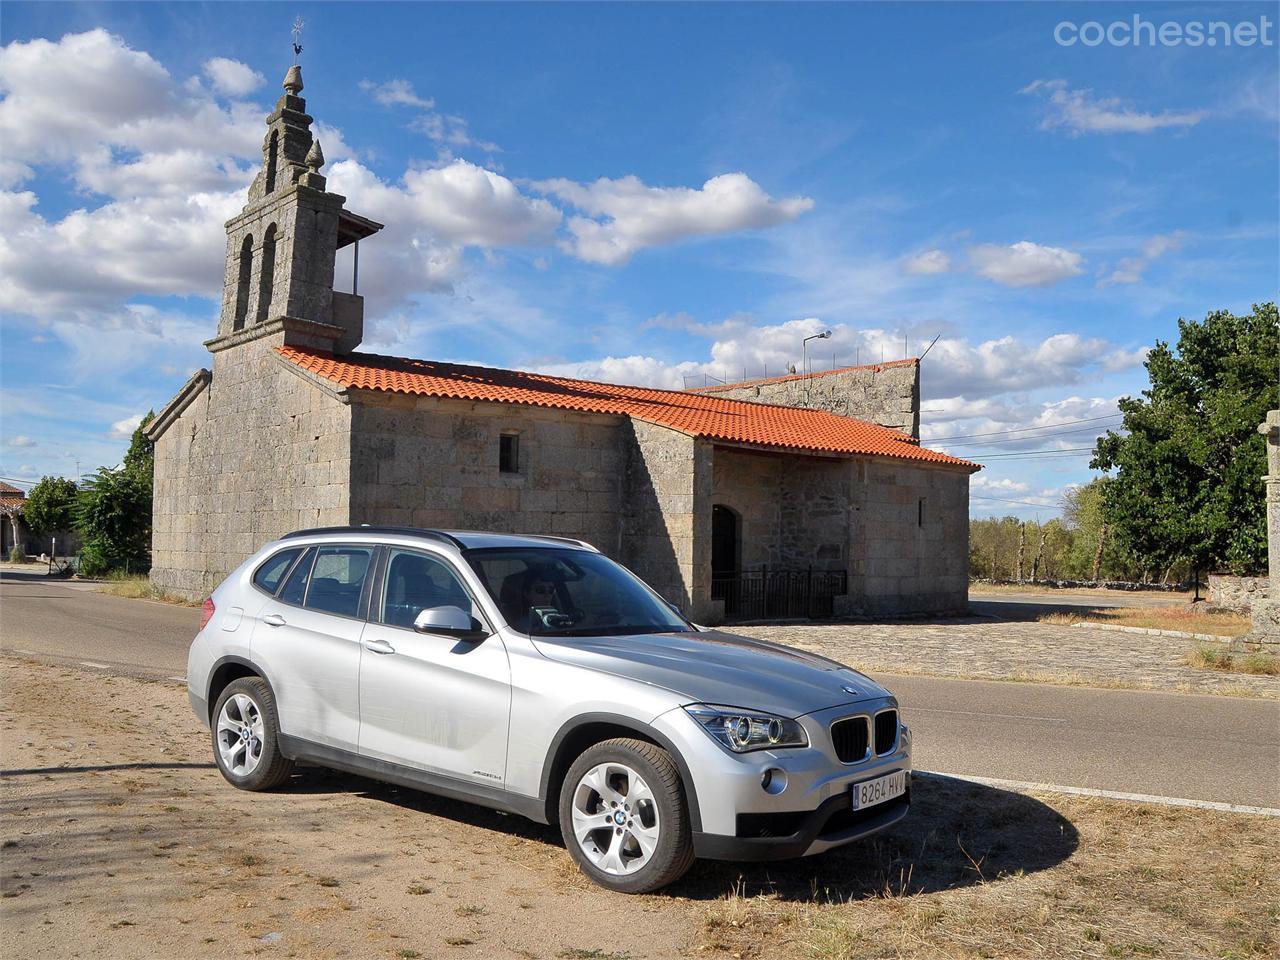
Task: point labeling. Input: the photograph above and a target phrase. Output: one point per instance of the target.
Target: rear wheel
(624, 817)
(245, 744)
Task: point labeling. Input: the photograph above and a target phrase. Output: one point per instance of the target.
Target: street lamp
(804, 348)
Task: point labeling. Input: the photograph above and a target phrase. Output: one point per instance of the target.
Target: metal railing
(770, 594)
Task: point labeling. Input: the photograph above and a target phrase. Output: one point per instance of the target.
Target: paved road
(1224, 749)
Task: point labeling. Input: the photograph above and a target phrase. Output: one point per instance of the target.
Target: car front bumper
(833, 824)
(737, 818)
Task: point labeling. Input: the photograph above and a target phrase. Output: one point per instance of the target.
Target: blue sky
(648, 193)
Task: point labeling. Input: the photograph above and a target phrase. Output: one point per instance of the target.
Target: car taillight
(206, 613)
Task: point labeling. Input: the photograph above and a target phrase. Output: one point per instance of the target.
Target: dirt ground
(120, 839)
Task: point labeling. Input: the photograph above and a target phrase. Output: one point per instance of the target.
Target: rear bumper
(831, 825)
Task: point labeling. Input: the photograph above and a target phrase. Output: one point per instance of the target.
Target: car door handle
(379, 646)
(273, 620)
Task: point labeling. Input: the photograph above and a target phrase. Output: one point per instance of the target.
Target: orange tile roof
(813, 375)
(698, 415)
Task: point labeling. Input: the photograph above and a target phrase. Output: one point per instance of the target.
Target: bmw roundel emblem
(852, 691)
(619, 818)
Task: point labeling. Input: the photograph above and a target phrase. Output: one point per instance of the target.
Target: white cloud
(231, 77)
(74, 96)
(961, 380)
(626, 215)
(928, 262)
(394, 93)
(1025, 264)
(123, 429)
(432, 215)
(1130, 269)
(1078, 112)
(20, 441)
(989, 484)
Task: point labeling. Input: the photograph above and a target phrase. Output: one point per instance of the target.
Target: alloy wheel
(615, 818)
(240, 735)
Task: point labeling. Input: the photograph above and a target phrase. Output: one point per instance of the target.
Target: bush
(17, 554)
(113, 516)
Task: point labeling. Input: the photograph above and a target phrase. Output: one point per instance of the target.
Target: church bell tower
(282, 247)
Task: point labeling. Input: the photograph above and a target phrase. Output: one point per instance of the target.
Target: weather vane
(297, 37)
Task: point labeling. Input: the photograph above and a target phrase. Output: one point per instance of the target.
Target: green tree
(141, 452)
(50, 506)
(113, 511)
(1187, 484)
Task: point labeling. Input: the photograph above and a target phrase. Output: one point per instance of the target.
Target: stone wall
(911, 544)
(884, 393)
(430, 462)
(1236, 593)
(900, 530)
(666, 472)
(260, 451)
(793, 512)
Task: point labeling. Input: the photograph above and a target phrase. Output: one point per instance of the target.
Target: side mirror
(451, 620)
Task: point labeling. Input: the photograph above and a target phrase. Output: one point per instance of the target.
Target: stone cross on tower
(1266, 612)
(282, 247)
(1270, 428)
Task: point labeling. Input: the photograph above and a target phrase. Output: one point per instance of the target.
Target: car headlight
(745, 730)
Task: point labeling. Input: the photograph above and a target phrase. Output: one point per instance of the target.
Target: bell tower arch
(282, 246)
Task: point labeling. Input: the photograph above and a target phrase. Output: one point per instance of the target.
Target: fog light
(773, 781)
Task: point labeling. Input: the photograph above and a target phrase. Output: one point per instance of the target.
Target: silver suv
(536, 676)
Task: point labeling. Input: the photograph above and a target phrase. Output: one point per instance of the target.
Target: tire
(650, 844)
(255, 763)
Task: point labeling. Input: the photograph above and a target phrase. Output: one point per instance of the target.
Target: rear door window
(273, 570)
(337, 578)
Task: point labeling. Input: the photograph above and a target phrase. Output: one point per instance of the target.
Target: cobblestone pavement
(1001, 650)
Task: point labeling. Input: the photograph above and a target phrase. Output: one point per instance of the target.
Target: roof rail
(366, 528)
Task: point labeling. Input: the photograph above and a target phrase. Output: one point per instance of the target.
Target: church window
(272, 148)
(509, 453)
(266, 283)
(242, 284)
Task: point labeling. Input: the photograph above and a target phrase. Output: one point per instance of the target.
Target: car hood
(721, 668)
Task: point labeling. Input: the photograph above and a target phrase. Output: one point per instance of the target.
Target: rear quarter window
(270, 573)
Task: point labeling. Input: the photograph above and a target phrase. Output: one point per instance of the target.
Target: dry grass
(1217, 658)
(1179, 617)
(977, 872)
(1102, 594)
(137, 587)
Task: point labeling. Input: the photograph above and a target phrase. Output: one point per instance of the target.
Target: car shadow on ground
(957, 834)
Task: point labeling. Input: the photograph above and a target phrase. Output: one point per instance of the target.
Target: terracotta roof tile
(698, 415)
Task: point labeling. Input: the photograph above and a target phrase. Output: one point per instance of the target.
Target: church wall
(258, 453)
(863, 516)
(431, 462)
(915, 559)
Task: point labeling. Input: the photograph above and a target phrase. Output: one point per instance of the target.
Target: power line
(1038, 436)
(1039, 454)
(30, 483)
(1043, 426)
(1025, 503)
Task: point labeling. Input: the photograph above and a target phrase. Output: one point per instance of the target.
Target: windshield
(548, 591)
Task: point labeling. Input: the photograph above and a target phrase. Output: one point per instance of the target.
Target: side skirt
(322, 755)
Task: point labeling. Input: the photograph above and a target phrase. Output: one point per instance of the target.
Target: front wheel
(624, 817)
(244, 736)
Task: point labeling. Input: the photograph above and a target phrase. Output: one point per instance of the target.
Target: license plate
(879, 790)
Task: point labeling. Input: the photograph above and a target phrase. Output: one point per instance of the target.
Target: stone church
(806, 496)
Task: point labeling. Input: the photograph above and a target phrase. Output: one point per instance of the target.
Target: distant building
(13, 529)
(728, 506)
